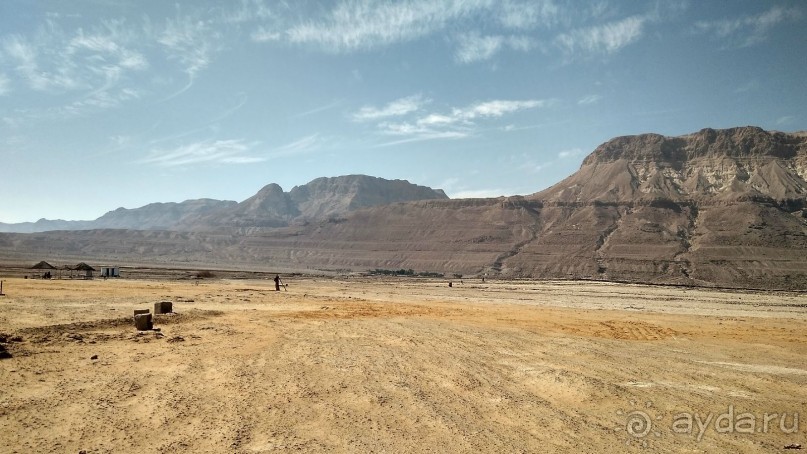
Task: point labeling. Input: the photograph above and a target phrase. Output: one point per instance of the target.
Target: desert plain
(371, 364)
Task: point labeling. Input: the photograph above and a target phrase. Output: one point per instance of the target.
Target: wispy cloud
(601, 39)
(570, 153)
(355, 25)
(395, 108)
(247, 11)
(263, 34)
(497, 108)
(454, 123)
(748, 30)
(589, 99)
(323, 108)
(192, 43)
(525, 15)
(785, 120)
(748, 86)
(474, 47)
(207, 151)
(529, 164)
(363, 25)
(304, 145)
(60, 73)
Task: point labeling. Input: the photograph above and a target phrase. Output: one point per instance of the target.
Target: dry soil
(400, 365)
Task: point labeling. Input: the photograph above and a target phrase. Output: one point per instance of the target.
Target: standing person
(277, 282)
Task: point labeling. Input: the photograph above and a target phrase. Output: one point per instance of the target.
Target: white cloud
(458, 124)
(207, 151)
(248, 11)
(322, 108)
(590, 99)
(368, 24)
(497, 108)
(474, 47)
(189, 41)
(570, 153)
(748, 30)
(25, 55)
(525, 15)
(298, 147)
(263, 34)
(785, 120)
(395, 108)
(601, 39)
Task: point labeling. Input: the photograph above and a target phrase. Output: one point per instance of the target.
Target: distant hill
(269, 208)
(321, 198)
(713, 208)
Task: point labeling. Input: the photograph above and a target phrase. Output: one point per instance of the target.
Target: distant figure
(450, 284)
(277, 282)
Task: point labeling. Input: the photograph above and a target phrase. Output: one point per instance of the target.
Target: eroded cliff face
(717, 207)
(708, 167)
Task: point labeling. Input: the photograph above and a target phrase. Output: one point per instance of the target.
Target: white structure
(110, 271)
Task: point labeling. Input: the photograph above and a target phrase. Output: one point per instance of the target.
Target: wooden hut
(43, 265)
(86, 269)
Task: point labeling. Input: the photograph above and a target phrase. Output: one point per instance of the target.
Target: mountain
(720, 207)
(44, 225)
(158, 216)
(710, 166)
(154, 216)
(269, 208)
(712, 208)
(321, 198)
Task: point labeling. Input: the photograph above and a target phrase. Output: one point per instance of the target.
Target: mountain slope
(723, 207)
(268, 208)
(319, 199)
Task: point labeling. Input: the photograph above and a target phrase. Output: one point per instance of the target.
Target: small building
(110, 271)
(87, 269)
(43, 265)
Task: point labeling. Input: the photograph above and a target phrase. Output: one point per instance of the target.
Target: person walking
(277, 282)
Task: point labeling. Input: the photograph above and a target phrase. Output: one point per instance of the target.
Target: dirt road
(400, 366)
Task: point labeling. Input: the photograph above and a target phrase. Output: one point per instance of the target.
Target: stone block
(163, 307)
(143, 322)
(141, 311)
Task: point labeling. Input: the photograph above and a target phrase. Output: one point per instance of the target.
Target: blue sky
(107, 103)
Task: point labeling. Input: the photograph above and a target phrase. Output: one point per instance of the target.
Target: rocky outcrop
(708, 167)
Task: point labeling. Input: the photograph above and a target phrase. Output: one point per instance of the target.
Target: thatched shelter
(43, 265)
(87, 269)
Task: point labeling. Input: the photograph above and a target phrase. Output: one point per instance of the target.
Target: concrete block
(141, 311)
(143, 322)
(163, 307)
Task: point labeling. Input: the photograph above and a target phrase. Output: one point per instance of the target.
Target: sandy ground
(360, 365)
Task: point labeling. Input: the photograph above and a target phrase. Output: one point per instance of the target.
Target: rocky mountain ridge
(714, 208)
(270, 207)
(710, 166)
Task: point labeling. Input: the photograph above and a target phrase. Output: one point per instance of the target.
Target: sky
(112, 103)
